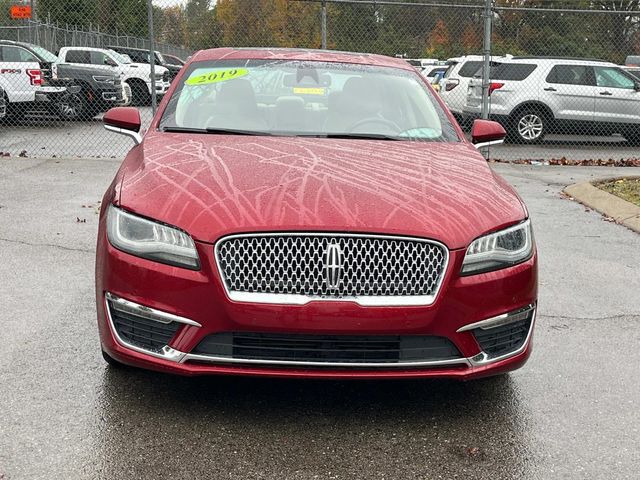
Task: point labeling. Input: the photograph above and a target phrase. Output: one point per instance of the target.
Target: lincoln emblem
(333, 259)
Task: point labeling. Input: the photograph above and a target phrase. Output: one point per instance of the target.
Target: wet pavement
(572, 412)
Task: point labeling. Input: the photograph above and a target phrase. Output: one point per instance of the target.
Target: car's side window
(570, 75)
(100, 58)
(78, 56)
(613, 78)
(469, 68)
(17, 54)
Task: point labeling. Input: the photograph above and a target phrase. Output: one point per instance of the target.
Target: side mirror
(125, 121)
(486, 132)
(637, 87)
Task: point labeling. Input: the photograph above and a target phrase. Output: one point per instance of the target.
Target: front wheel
(529, 126)
(112, 361)
(140, 95)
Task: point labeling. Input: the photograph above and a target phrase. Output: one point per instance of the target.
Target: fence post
(152, 57)
(488, 19)
(324, 25)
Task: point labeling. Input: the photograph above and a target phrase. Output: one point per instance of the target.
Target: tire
(72, 106)
(113, 363)
(140, 95)
(528, 126)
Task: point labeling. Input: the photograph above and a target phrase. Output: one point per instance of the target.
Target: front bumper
(199, 301)
(161, 87)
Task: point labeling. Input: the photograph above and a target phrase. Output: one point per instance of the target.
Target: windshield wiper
(363, 136)
(224, 131)
(233, 131)
(184, 129)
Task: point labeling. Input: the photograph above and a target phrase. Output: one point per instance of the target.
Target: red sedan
(307, 213)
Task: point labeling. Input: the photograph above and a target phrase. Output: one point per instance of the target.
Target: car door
(104, 62)
(618, 98)
(569, 90)
(20, 72)
(77, 57)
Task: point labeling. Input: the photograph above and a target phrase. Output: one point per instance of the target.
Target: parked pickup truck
(136, 75)
(141, 55)
(35, 79)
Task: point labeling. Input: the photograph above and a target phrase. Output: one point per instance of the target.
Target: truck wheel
(528, 126)
(71, 106)
(140, 95)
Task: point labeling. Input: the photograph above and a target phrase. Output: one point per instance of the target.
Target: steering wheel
(378, 120)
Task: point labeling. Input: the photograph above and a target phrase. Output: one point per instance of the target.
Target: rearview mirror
(486, 132)
(125, 121)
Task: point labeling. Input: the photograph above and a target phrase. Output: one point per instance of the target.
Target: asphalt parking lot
(571, 412)
(42, 137)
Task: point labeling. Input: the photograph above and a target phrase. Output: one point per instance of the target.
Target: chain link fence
(558, 78)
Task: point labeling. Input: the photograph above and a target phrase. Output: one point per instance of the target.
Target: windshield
(301, 98)
(45, 54)
(120, 58)
(173, 60)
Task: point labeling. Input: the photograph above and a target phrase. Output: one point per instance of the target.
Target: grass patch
(626, 188)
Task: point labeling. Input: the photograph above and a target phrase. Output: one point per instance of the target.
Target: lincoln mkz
(301, 213)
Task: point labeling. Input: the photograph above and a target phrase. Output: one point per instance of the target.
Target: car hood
(214, 185)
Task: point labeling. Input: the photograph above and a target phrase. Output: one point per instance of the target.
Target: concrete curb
(623, 212)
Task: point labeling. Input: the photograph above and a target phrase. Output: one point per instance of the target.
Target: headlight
(102, 79)
(154, 241)
(499, 250)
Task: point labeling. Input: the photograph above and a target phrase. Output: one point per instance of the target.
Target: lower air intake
(504, 339)
(142, 332)
(352, 349)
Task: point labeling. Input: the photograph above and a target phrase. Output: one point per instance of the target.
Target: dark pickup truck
(140, 55)
(84, 92)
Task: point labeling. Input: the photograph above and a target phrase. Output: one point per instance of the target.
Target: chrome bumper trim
(149, 313)
(364, 301)
(500, 320)
(289, 363)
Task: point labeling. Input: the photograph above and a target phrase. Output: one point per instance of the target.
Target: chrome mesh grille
(371, 266)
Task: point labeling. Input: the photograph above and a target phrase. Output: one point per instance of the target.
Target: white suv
(454, 84)
(535, 96)
(136, 75)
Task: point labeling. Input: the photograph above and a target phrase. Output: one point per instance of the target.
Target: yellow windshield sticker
(215, 76)
(308, 91)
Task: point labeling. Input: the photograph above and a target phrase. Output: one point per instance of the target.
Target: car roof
(560, 60)
(131, 49)
(300, 54)
(92, 49)
(19, 44)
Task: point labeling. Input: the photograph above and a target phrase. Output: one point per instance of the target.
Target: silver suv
(455, 81)
(535, 96)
